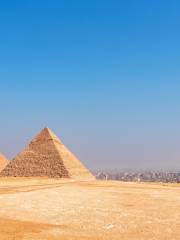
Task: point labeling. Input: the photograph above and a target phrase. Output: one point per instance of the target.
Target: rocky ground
(50, 209)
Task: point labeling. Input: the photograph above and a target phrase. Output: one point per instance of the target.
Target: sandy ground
(49, 209)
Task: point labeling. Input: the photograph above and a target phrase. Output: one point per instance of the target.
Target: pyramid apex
(46, 134)
(46, 128)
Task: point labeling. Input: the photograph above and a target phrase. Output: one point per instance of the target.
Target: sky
(103, 75)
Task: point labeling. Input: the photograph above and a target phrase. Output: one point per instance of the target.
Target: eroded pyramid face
(3, 162)
(46, 156)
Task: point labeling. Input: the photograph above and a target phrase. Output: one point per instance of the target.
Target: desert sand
(50, 209)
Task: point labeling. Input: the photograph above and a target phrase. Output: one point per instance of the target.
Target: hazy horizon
(104, 76)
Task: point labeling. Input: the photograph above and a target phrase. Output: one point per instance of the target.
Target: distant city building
(144, 176)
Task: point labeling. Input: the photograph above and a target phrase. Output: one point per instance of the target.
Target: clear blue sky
(104, 75)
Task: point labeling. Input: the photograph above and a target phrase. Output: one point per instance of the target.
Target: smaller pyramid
(3, 162)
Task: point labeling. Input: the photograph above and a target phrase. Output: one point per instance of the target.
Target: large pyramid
(3, 162)
(47, 156)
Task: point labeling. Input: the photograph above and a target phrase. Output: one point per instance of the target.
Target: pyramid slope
(46, 156)
(75, 168)
(3, 162)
